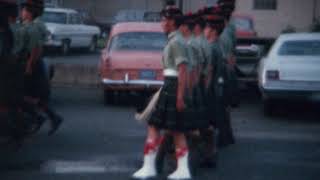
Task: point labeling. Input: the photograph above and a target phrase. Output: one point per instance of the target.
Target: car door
(76, 39)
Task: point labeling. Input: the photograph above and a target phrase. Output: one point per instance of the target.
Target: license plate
(147, 74)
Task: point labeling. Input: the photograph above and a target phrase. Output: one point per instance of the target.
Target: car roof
(299, 36)
(241, 15)
(136, 27)
(60, 10)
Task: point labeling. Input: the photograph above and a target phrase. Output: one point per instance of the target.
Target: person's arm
(34, 56)
(181, 61)
(182, 79)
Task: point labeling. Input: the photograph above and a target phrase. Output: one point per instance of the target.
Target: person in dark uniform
(228, 41)
(214, 83)
(230, 94)
(37, 87)
(11, 75)
(169, 114)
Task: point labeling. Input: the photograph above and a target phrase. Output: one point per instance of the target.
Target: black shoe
(56, 123)
(40, 120)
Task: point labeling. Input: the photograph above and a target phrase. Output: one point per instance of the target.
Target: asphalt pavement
(105, 142)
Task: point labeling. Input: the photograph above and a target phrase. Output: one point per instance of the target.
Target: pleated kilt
(37, 84)
(166, 115)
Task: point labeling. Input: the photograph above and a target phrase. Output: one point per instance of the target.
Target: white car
(67, 30)
(291, 70)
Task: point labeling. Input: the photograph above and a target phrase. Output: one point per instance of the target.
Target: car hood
(135, 60)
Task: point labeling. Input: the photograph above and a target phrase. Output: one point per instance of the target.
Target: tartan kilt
(166, 115)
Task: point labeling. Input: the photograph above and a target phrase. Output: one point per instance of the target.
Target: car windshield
(243, 24)
(300, 48)
(55, 17)
(146, 41)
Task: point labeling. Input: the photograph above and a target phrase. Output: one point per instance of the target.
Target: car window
(243, 24)
(75, 18)
(54, 17)
(129, 16)
(300, 48)
(152, 16)
(147, 41)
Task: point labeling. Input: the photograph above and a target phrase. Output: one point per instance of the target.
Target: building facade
(271, 16)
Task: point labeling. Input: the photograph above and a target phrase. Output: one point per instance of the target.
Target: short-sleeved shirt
(20, 39)
(193, 53)
(33, 36)
(226, 43)
(202, 43)
(175, 52)
(42, 28)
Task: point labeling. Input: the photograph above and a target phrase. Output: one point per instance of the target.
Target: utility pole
(181, 4)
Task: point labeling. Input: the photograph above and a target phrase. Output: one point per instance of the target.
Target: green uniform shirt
(20, 39)
(42, 29)
(175, 52)
(33, 36)
(203, 46)
(193, 53)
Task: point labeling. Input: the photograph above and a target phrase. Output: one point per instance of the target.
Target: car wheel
(109, 97)
(269, 107)
(65, 48)
(93, 45)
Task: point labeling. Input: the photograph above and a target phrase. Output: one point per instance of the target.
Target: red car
(245, 25)
(132, 59)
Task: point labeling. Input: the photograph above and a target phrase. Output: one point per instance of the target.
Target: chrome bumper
(146, 83)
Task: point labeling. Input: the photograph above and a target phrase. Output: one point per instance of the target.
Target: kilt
(166, 115)
(37, 84)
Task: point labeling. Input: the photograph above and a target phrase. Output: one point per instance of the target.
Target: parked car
(250, 48)
(68, 31)
(291, 70)
(132, 59)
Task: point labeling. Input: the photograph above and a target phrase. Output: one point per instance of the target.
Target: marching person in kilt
(36, 81)
(214, 84)
(170, 112)
(194, 98)
(228, 41)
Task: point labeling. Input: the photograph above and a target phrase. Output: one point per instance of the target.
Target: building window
(265, 4)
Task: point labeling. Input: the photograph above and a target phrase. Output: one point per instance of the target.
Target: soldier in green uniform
(37, 86)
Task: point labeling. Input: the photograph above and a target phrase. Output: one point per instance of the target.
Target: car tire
(108, 97)
(65, 47)
(269, 107)
(93, 45)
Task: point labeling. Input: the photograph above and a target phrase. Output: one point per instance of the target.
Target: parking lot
(105, 142)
